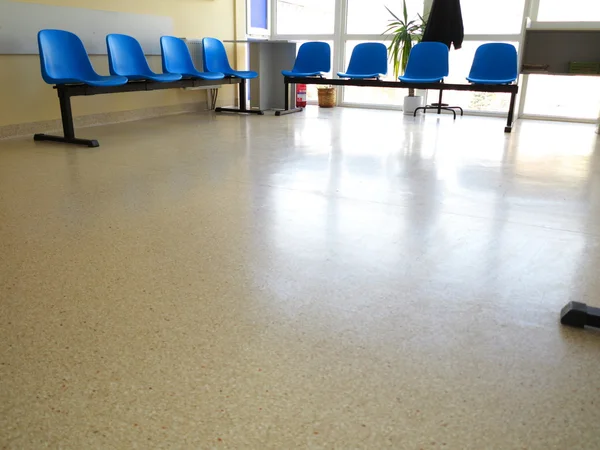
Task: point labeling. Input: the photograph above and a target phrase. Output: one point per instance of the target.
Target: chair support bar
(243, 109)
(512, 89)
(65, 92)
(290, 83)
(65, 140)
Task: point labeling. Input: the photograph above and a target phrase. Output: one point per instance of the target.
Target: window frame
(530, 20)
(253, 32)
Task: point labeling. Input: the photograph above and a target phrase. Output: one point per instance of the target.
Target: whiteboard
(20, 23)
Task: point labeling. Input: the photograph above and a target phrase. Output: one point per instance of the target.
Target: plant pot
(326, 97)
(412, 103)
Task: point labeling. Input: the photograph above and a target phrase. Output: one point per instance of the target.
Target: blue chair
(126, 58)
(64, 60)
(176, 59)
(429, 63)
(313, 59)
(494, 63)
(214, 57)
(368, 60)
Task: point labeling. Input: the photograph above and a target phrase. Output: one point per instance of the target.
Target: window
(499, 17)
(371, 17)
(305, 17)
(571, 11)
(258, 17)
(372, 95)
(563, 96)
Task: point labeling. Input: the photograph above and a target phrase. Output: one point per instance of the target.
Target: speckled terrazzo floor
(343, 279)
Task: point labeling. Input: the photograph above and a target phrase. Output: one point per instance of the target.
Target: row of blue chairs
(494, 63)
(64, 60)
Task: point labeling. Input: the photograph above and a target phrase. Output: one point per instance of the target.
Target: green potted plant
(405, 34)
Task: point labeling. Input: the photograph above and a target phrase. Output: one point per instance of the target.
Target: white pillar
(427, 7)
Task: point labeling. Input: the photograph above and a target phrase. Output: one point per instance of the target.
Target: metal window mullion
(533, 10)
(341, 34)
(273, 18)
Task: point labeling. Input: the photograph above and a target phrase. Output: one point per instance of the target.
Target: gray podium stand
(269, 58)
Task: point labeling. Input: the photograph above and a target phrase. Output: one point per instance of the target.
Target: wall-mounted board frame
(20, 23)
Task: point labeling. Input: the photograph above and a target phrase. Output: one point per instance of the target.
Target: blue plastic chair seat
(360, 75)
(427, 63)
(291, 74)
(313, 60)
(126, 58)
(420, 80)
(104, 81)
(176, 59)
(368, 60)
(244, 74)
(490, 81)
(64, 60)
(214, 57)
(98, 80)
(494, 63)
(203, 75)
(159, 77)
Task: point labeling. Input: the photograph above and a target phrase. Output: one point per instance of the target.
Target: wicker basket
(326, 97)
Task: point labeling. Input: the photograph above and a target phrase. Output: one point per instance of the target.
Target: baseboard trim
(48, 126)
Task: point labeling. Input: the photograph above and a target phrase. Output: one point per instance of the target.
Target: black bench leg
(511, 113)
(580, 315)
(287, 109)
(67, 123)
(243, 109)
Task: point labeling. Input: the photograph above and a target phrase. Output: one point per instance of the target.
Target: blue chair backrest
(369, 57)
(176, 56)
(214, 56)
(428, 60)
(63, 57)
(313, 57)
(126, 56)
(495, 61)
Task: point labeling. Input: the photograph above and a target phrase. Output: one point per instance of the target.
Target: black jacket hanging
(445, 23)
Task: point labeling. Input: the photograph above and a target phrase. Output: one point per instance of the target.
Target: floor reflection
(424, 209)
